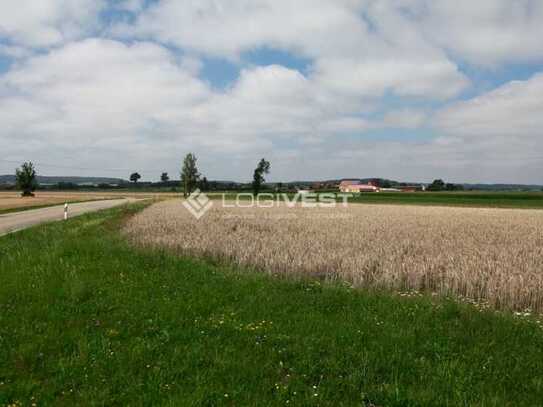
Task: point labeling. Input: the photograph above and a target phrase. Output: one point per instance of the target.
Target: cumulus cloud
(513, 110)
(501, 130)
(483, 32)
(140, 91)
(97, 100)
(367, 57)
(142, 99)
(404, 118)
(45, 23)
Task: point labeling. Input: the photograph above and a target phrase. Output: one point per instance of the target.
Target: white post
(66, 211)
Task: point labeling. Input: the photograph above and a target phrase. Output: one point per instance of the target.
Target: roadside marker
(66, 211)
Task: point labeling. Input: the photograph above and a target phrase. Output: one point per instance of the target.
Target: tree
(437, 185)
(164, 177)
(26, 179)
(454, 187)
(386, 184)
(258, 177)
(135, 177)
(189, 174)
(204, 184)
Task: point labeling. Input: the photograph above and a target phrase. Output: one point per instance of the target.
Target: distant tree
(204, 184)
(386, 184)
(189, 174)
(25, 178)
(67, 186)
(454, 187)
(437, 185)
(164, 177)
(135, 177)
(258, 176)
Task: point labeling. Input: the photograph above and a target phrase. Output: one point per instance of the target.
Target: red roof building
(356, 186)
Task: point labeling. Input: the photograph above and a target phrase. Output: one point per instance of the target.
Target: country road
(12, 222)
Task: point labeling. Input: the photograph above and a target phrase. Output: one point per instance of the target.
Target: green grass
(85, 319)
(469, 199)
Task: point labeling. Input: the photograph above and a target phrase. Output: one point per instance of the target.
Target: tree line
(191, 179)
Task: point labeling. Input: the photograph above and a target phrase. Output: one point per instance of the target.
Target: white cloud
(404, 118)
(482, 32)
(228, 28)
(142, 100)
(43, 23)
(512, 110)
(498, 135)
(98, 93)
(352, 55)
(101, 102)
(408, 77)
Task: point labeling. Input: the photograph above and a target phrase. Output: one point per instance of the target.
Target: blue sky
(321, 88)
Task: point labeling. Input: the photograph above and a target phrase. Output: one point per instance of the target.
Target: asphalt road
(12, 222)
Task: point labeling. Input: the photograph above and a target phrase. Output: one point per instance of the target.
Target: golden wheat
(490, 255)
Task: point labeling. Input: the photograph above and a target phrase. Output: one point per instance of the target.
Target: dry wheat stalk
(494, 255)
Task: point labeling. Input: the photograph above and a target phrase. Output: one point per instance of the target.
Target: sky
(411, 90)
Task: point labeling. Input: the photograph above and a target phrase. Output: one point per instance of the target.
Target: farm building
(412, 188)
(357, 186)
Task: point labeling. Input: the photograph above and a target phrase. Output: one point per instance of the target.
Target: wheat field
(493, 256)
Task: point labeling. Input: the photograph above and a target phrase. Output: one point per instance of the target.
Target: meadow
(88, 319)
(526, 200)
(491, 256)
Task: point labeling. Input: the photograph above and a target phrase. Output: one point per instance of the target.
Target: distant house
(409, 189)
(413, 188)
(349, 186)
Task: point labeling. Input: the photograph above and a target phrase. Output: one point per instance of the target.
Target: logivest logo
(198, 204)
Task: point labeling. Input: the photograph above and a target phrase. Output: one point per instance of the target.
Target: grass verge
(85, 319)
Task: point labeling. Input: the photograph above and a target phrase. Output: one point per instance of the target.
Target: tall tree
(258, 176)
(26, 179)
(164, 177)
(135, 177)
(437, 185)
(189, 174)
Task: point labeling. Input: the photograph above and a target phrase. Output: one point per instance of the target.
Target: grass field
(468, 199)
(86, 319)
(526, 200)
